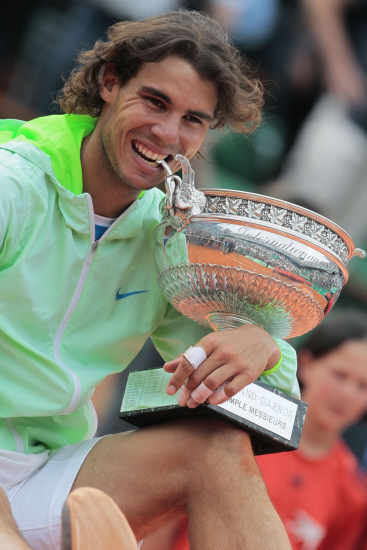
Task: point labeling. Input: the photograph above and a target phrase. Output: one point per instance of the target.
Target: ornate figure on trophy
(242, 258)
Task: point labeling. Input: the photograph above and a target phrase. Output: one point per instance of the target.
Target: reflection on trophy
(227, 257)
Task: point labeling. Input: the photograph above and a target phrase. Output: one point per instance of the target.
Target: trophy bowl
(227, 257)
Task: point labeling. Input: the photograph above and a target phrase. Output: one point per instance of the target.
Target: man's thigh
(151, 472)
(37, 502)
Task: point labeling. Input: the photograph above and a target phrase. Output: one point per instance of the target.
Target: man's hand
(235, 358)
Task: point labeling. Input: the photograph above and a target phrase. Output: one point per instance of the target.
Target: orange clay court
(200, 254)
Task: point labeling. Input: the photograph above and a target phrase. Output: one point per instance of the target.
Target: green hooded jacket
(63, 324)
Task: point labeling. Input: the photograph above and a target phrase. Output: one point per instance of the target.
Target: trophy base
(273, 419)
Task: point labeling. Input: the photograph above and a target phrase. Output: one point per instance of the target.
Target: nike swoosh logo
(121, 295)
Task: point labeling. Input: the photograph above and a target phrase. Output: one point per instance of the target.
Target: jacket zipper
(18, 440)
(73, 303)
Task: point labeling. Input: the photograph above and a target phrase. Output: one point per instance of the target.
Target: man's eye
(156, 102)
(193, 119)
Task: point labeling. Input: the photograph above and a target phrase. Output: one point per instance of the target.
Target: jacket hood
(60, 137)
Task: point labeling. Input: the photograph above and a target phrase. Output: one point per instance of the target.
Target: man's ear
(110, 83)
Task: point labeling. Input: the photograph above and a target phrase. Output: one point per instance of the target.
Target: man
(80, 307)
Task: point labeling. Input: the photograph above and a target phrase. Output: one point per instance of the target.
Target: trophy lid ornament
(183, 200)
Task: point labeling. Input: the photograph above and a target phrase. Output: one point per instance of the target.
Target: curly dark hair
(196, 38)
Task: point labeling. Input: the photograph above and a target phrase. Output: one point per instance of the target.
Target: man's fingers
(171, 366)
(187, 364)
(219, 396)
(229, 388)
(192, 399)
(183, 396)
(199, 395)
(195, 356)
(181, 374)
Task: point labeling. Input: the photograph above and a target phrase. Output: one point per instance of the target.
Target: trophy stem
(221, 320)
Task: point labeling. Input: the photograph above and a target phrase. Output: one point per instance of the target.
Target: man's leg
(199, 465)
(10, 538)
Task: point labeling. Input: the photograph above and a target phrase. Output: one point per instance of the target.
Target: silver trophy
(225, 258)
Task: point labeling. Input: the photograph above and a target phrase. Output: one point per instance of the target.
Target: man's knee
(205, 440)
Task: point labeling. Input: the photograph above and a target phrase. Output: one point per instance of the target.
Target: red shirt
(322, 502)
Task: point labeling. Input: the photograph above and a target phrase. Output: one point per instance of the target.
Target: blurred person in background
(320, 490)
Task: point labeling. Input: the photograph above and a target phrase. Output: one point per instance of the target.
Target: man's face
(165, 109)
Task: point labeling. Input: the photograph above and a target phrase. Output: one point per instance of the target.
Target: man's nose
(167, 129)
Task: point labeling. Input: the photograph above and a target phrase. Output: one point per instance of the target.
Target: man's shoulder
(9, 129)
(52, 143)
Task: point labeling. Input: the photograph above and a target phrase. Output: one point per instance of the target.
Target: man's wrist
(274, 361)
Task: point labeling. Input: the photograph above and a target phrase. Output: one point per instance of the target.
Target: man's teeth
(146, 155)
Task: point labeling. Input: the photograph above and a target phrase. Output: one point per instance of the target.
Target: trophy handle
(183, 200)
(359, 252)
